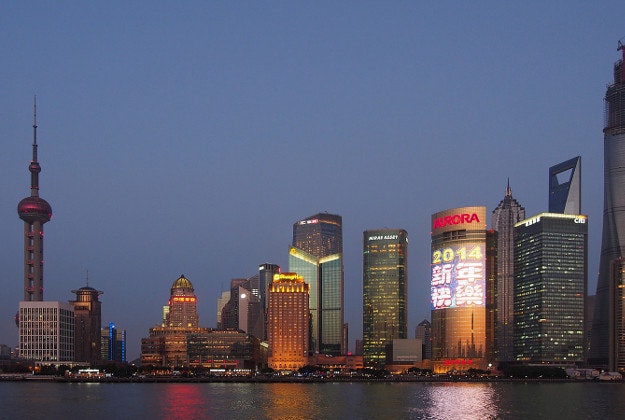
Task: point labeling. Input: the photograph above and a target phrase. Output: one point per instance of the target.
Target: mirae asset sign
(383, 237)
(455, 219)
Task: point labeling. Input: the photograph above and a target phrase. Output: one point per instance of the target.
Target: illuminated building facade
(613, 236)
(459, 295)
(229, 349)
(385, 292)
(87, 322)
(550, 282)
(167, 344)
(507, 213)
(34, 211)
(288, 317)
(182, 305)
(46, 331)
(113, 344)
(317, 255)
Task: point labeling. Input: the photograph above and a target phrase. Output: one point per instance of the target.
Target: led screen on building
(458, 276)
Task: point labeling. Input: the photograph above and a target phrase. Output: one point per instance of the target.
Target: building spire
(508, 189)
(34, 167)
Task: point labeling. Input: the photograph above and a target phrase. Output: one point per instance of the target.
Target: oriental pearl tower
(34, 211)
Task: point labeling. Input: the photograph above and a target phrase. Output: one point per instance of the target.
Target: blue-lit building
(113, 343)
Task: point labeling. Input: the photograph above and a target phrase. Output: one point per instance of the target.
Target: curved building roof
(182, 283)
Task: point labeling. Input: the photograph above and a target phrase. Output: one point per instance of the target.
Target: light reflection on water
(313, 401)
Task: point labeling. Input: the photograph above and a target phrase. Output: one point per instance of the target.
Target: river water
(335, 401)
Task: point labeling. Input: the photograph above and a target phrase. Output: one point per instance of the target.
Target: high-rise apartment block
(385, 292)
(317, 256)
(550, 281)
(604, 334)
(462, 306)
(288, 318)
(507, 213)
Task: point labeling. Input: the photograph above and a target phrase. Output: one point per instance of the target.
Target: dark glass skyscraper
(507, 213)
(550, 281)
(317, 255)
(613, 236)
(385, 290)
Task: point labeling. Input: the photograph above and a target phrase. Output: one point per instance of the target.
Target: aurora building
(317, 256)
(385, 289)
(462, 295)
(608, 322)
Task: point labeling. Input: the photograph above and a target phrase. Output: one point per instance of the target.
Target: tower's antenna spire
(35, 129)
(87, 277)
(508, 190)
(34, 167)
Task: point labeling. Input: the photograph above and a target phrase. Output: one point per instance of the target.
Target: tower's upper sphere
(33, 209)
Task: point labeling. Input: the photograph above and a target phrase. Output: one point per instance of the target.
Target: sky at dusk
(188, 137)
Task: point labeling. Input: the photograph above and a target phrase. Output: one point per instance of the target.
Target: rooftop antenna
(87, 277)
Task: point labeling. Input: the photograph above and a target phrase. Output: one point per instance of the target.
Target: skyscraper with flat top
(385, 292)
(603, 336)
(550, 281)
(34, 211)
(317, 255)
(288, 322)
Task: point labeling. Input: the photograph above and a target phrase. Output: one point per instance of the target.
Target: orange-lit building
(462, 299)
(167, 343)
(182, 305)
(288, 320)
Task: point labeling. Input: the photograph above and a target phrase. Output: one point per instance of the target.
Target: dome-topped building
(34, 211)
(182, 305)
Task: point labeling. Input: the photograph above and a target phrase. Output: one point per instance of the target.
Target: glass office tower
(550, 281)
(317, 255)
(385, 289)
(613, 236)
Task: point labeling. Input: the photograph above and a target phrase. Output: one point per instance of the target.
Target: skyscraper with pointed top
(506, 214)
(34, 211)
(607, 341)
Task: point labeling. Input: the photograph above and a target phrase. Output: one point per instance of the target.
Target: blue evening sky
(188, 137)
